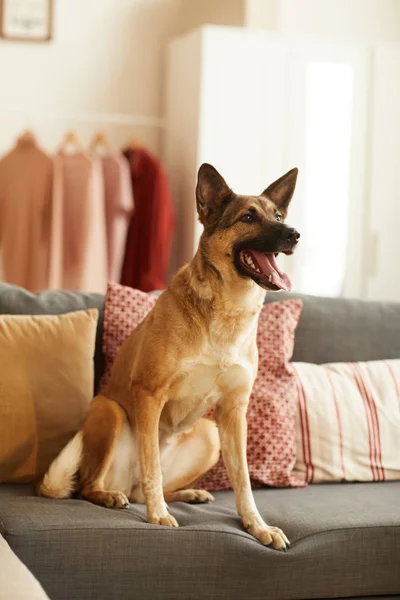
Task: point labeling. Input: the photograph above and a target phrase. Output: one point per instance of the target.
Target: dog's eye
(247, 218)
(278, 217)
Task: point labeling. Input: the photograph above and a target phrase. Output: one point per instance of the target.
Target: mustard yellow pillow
(46, 385)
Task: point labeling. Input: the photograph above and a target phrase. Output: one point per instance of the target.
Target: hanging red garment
(148, 243)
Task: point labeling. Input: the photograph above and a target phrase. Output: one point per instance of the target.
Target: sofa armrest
(16, 581)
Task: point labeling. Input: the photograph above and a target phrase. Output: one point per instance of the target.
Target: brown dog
(144, 437)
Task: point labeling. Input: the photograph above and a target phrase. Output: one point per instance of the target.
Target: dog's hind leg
(185, 459)
(100, 434)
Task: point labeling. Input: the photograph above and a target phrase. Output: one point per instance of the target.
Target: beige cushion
(16, 581)
(348, 421)
(46, 385)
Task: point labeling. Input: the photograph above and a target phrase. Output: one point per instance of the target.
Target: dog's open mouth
(264, 269)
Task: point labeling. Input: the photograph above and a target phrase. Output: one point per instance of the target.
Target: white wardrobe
(255, 105)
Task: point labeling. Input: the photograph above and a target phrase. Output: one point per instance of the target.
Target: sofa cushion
(348, 421)
(17, 301)
(345, 542)
(343, 330)
(46, 388)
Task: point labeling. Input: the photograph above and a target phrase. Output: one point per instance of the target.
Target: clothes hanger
(71, 143)
(100, 142)
(27, 137)
(134, 144)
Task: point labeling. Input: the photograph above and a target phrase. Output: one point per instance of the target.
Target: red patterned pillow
(271, 446)
(271, 416)
(124, 309)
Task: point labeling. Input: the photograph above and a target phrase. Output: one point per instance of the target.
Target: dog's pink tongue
(270, 269)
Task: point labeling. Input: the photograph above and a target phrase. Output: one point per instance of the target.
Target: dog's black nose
(292, 236)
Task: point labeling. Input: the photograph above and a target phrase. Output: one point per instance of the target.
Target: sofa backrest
(343, 330)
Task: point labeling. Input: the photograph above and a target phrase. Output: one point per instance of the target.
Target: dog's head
(246, 232)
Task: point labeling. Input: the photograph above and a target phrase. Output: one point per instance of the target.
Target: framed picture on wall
(26, 20)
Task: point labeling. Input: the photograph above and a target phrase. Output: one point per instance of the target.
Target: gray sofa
(345, 537)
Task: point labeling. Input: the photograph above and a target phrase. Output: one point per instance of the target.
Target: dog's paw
(166, 520)
(115, 500)
(109, 499)
(267, 535)
(199, 497)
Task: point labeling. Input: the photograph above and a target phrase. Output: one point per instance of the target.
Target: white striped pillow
(348, 421)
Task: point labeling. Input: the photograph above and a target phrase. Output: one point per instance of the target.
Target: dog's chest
(215, 372)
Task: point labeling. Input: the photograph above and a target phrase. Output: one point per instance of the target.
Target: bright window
(321, 264)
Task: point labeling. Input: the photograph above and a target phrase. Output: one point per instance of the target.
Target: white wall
(106, 58)
(383, 248)
(353, 20)
(261, 14)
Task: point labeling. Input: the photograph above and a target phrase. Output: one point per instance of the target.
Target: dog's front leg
(147, 418)
(232, 425)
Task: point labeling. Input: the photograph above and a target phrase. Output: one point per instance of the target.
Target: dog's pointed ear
(212, 194)
(281, 191)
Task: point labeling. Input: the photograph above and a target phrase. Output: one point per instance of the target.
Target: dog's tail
(60, 479)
